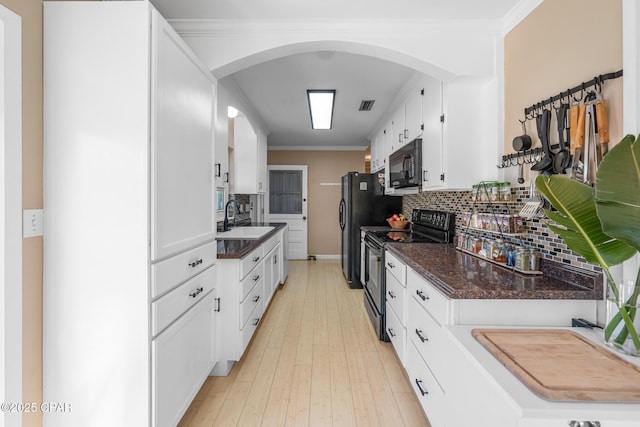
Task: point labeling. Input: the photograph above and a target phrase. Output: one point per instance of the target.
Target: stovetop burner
(401, 237)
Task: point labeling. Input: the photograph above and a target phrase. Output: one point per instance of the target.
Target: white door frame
(292, 231)
(11, 214)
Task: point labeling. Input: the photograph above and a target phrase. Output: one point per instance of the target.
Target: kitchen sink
(244, 233)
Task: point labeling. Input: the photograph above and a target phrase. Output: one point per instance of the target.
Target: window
(285, 192)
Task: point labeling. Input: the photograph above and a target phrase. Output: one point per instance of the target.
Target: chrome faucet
(225, 224)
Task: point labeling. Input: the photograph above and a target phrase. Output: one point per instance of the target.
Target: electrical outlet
(32, 222)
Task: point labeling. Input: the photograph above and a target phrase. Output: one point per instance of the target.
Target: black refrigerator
(362, 203)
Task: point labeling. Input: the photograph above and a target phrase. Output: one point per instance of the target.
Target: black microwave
(405, 165)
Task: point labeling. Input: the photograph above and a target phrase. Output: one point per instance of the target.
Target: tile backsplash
(537, 235)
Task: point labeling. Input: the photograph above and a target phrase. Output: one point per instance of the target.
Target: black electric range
(428, 226)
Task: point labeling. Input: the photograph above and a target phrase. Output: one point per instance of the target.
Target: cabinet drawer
(252, 279)
(248, 262)
(397, 333)
(169, 307)
(396, 296)
(253, 300)
(436, 304)
(250, 327)
(169, 273)
(181, 359)
(427, 336)
(430, 395)
(396, 267)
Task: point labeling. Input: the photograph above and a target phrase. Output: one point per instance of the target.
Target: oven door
(374, 285)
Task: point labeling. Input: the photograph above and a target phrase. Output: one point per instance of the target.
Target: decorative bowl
(399, 224)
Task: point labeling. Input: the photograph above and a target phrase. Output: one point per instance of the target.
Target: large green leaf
(617, 193)
(581, 228)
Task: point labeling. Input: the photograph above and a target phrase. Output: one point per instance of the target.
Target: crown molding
(518, 13)
(213, 27)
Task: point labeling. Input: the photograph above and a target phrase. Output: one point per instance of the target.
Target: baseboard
(327, 256)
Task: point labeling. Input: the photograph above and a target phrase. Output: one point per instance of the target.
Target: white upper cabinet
(221, 167)
(182, 146)
(470, 132)
(432, 135)
(413, 120)
(250, 158)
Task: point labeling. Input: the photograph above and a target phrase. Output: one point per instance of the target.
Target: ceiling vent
(366, 105)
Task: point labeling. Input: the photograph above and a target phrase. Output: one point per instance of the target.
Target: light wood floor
(314, 361)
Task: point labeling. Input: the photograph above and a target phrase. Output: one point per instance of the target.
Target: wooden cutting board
(561, 365)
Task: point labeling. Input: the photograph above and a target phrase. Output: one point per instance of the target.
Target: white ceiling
(277, 88)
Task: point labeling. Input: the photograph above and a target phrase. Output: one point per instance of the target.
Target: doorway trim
(11, 212)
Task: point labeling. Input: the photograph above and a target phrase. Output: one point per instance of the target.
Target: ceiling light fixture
(321, 107)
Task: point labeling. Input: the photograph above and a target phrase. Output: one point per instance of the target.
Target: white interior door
(286, 201)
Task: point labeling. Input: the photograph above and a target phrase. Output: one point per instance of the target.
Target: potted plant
(602, 224)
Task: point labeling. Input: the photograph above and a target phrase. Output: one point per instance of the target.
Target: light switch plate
(32, 222)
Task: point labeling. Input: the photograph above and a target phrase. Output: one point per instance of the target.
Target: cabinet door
(182, 146)
(413, 115)
(245, 157)
(432, 169)
(181, 358)
(397, 138)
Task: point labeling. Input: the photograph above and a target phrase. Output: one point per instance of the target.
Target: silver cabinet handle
(217, 309)
(195, 263)
(422, 391)
(391, 294)
(421, 295)
(257, 298)
(584, 423)
(391, 332)
(422, 337)
(256, 259)
(256, 277)
(256, 321)
(197, 292)
(390, 264)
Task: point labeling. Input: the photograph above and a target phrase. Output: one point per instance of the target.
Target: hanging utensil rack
(595, 82)
(525, 157)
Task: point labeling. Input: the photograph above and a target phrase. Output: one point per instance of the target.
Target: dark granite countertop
(462, 276)
(235, 248)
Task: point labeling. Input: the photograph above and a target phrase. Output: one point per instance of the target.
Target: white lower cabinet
(425, 385)
(181, 359)
(246, 287)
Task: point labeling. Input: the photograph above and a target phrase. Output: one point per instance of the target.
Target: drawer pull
(422, 391)
(390, 264)
(256, 321)
(391, 294)
(584, 423)
(421, 295)
(217, 300)
(422, 337)
(257, 298)
(195, 263)
(256, 277)
(196, 292)
(256, 259)
(391, 334)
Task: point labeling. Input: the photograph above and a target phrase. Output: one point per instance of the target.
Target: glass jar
(499, 253)
(505, 191)
(494, 193)
(511, 256)
(534, 259)
(475, 192)
(474, 220)
(522, 259)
